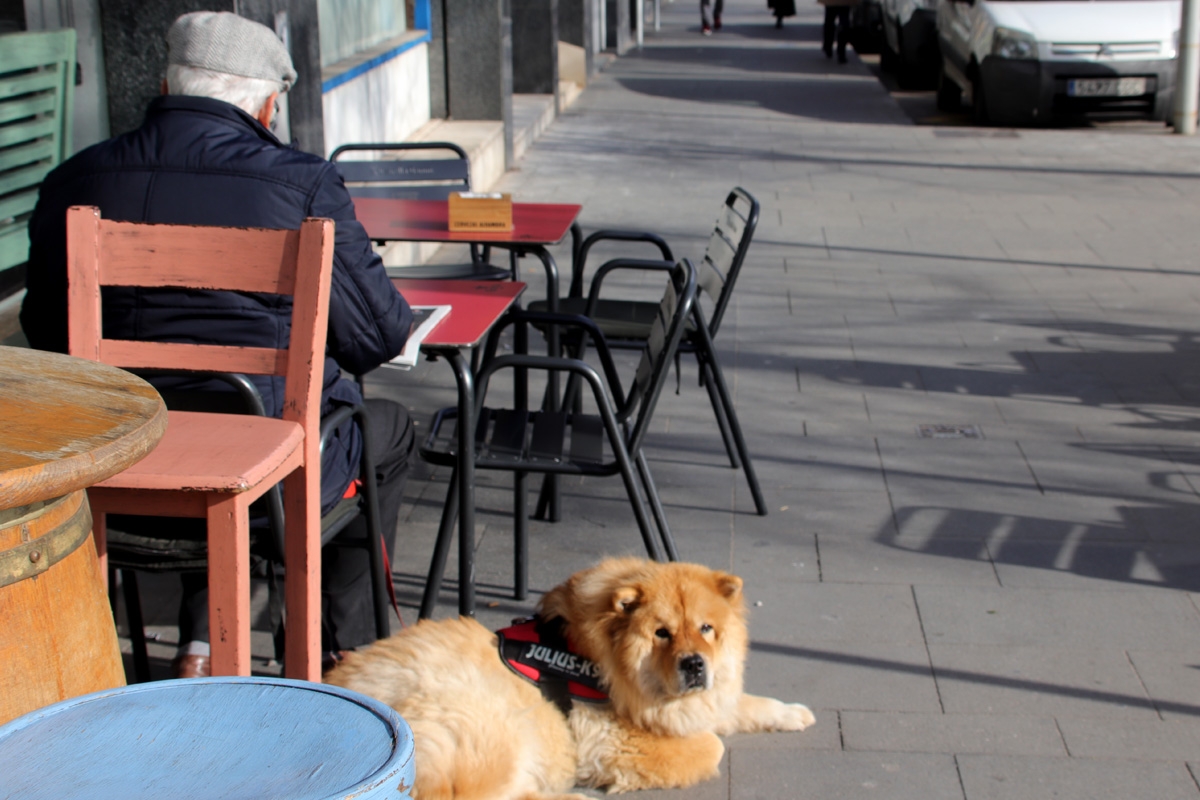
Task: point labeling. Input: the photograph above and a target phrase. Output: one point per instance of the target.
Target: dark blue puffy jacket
(205, 162)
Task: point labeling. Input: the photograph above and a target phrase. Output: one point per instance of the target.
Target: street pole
(1187, 75)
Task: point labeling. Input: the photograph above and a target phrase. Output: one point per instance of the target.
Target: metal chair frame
(522, 441)
(418, 179)
(624, 321)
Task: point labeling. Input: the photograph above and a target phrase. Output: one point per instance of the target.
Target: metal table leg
(466, 480)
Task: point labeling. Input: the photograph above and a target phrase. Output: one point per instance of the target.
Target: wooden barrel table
(65, 423)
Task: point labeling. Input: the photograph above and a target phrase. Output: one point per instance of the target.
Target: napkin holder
(480, 211)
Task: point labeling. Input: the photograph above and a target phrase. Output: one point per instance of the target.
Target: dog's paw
(768, 714)
(793, 717)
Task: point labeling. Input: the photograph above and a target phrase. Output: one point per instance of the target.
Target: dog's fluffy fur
(670, 643)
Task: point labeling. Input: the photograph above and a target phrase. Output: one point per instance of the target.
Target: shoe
(829, 52)
(706, 29)
(779, 22)
(841, 58)
(191, 666)
(716, 22)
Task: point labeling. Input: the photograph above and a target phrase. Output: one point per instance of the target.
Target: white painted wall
(385, 104)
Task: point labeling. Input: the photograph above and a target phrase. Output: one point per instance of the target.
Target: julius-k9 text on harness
(538, 651)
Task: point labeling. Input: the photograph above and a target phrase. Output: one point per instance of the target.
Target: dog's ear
(730, 586)
(626, 599)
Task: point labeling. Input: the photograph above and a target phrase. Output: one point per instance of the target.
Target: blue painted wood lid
(229, 738)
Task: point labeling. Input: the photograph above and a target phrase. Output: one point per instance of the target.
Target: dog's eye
(663, 633)
(705, 629)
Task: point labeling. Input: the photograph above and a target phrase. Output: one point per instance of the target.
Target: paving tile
(1152, 740)
(976, 679)
(774, 773)
(1079, 561)
(989, 734)
(843, 675)
(1170, 677)
(992, 464)
(958, 561)
(820, 614)
(824, 734)
(1002, 778)
(793, 512)
(1148, 619)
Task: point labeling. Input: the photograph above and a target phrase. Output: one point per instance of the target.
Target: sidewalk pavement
(1007, 610)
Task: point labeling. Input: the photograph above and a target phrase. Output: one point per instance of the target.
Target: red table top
(427, 221)
(475, 307)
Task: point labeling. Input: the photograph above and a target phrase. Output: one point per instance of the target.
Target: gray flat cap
(224, 42)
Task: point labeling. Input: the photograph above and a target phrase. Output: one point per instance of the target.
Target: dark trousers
(347, 612)
(839, 16)
(717, 7)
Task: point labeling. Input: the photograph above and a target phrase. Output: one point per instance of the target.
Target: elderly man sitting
(205, 155)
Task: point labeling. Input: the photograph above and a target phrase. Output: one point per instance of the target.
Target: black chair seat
(506, 439)
(624, 323)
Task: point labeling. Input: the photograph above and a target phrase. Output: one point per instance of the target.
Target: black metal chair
(141, 546)
(521, 441)
(418, 179)
(627, 323)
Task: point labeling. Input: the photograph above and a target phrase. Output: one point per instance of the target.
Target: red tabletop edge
(475, 307)
(394, 219)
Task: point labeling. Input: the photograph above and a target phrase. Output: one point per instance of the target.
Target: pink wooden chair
(208, 465)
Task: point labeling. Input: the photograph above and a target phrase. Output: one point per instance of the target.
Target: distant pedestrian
(781, 9)
(706, 26)
(837, 14)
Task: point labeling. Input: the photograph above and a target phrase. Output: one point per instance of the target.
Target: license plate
(1106, 87)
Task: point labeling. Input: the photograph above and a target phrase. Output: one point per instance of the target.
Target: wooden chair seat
(204, 452)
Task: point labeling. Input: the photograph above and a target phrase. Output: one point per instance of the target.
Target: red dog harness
(538, 651)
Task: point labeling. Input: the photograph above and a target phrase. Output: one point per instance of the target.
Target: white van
(1033, 61)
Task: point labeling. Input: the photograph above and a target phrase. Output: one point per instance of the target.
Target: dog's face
(663, 635)
(670, 632)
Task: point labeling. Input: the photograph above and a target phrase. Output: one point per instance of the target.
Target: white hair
(248, 94)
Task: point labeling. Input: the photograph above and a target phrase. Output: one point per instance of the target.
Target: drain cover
(949, 432)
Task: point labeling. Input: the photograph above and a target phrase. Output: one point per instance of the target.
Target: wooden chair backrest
(404, 177)
(726, 252)
(287, 262)
(37, 85)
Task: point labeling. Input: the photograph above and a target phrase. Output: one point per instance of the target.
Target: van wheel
(979, 111)
(949, 94)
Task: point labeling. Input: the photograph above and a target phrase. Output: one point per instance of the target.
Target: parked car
(910, 48)
(1034, 61)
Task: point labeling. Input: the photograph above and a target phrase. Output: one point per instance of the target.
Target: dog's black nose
(692, 669)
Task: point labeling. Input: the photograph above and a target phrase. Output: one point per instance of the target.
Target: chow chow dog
(667, 643)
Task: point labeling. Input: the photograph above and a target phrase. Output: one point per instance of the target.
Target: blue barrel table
(230, 738)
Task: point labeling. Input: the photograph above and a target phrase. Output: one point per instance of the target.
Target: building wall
(90, 124)
(386, 102)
